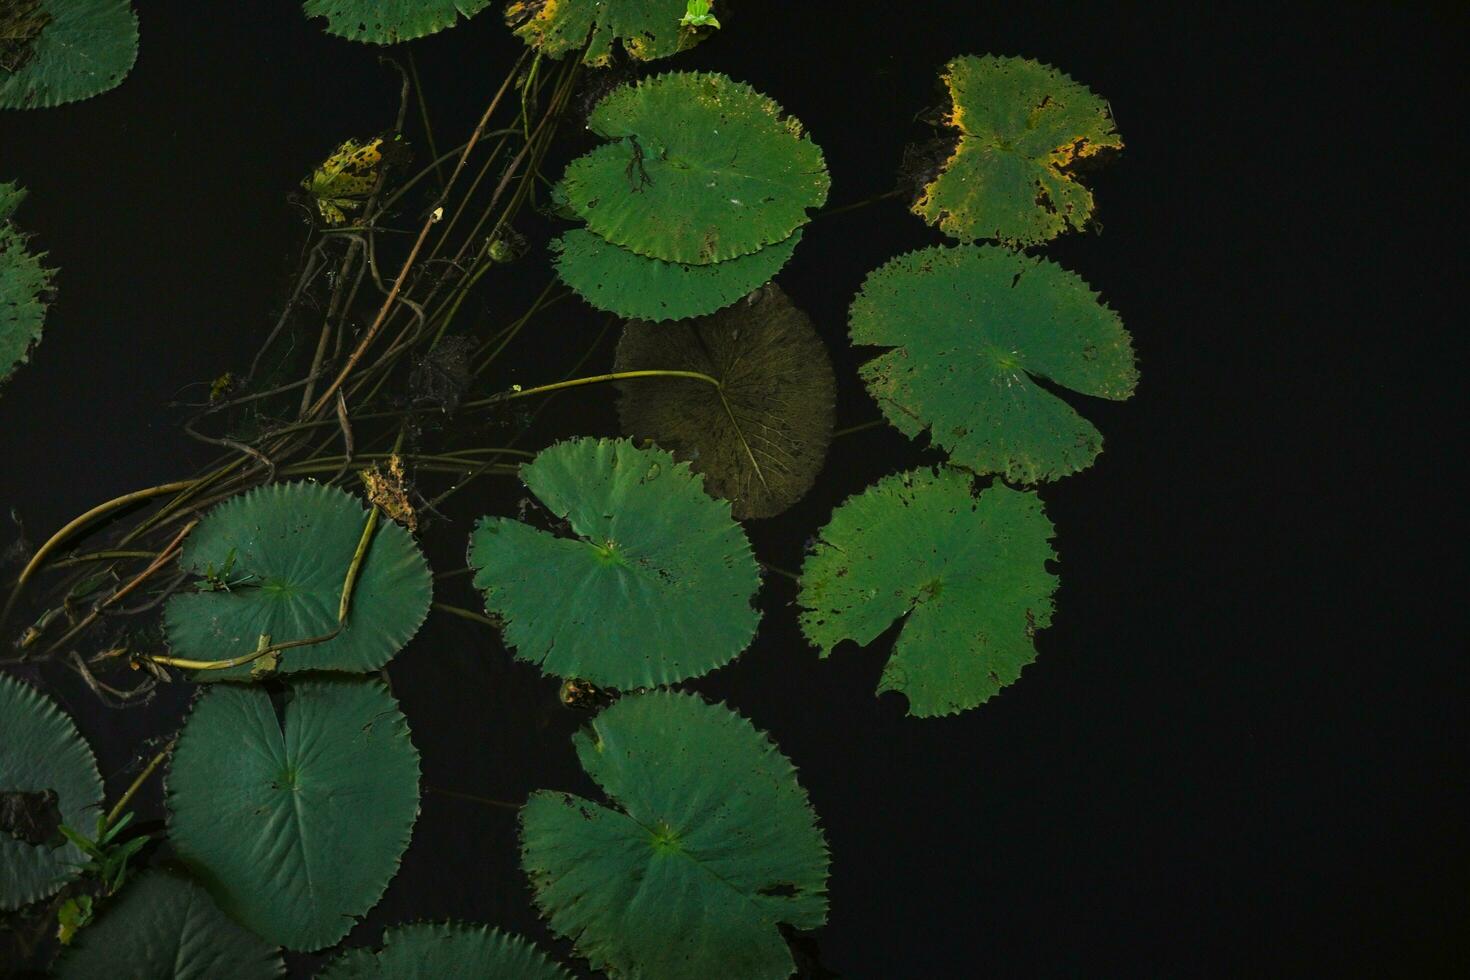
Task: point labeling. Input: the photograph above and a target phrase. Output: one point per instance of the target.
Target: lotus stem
(352, 569)
(514, 393)
(132, 790)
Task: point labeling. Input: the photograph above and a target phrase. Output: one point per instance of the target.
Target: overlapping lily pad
(48, 777)
(25, 286)
(700, 169)
(647, 29)
(274, 561)
(65, 50)
(294, 815)
(971, 330)
(707, 845)
(761, 437)
(430, 950)
(165, 925)
(390, 21)
(1024, 127)
(654, 586)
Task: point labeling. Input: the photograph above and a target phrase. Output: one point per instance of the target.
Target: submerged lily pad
(634, 286)
(1023, 127)
(703, 169)
(431, 950)
(390, 21)
(294, 818)
(971, 328)
(48, 777)
(708, 847)
(275, 560)
(655, 588)
(648, 29)
(71, 50)
(165, 926)
(966, 574)
(760, 439)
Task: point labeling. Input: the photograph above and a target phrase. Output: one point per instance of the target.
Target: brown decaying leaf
(388, 490)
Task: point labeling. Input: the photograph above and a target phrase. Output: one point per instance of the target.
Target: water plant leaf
(294, 823)
(709, 844)
(1023, 127)
(25, 285)
(164, 925)
(620, 281)
(390, 21)
(344, 180)
(760, 439)
(648, 29)
(81, 48)
(656, 561)
(702, 169)
(966, 573)
(41, 754)
(430, 950)
(275, 559)
(971, 328)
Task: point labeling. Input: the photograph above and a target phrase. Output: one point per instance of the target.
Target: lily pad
(615, 279)
(390, 21)
(165, 926)
(275, 560)
(81, 48)
(25, 285)
(1024, 127)
(703, 169)
(971, 329)
(41, 754)
(966, 573)
(445, 949)
(648, 29)
(656, 586)
(295, 821)
(761, 438)
(708, 846)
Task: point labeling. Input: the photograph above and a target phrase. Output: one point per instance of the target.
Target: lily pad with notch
(390, 21)
(60, 51)
(964, 572)
(25, 287)
(445, 949)
(654, 561)
(706, 847)
(647, 29)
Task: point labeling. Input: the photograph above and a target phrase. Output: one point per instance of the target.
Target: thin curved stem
(594, 379)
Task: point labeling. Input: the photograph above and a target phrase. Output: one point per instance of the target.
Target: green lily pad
(41, 754)
(656, 562)
(648, 29)
(165, 926)
(390, 21)
(82, 48)
(709, 845)
(25, 285)
(1023, 127)
(275, 560)
(970, 330)
(761, 438)
(966, 574)
(639, 288)
(295, 823)
(431, 950)
(704, 169)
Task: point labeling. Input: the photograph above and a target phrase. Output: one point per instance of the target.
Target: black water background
(1232, 754)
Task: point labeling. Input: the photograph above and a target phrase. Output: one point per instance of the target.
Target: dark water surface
(1199, 775)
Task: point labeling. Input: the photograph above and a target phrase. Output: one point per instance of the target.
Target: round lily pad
(761, 438)
(294, 815)
(615, 279)
(274, 561)
(65, 50)
(390, 21)
(970, 331)
(48, 777)
(1024, 128)
(708, 844)
(165, 926)
(431, 950)
(965, 572)
(655, 585)
(701, 169)
(648, 29)
(25, 285)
